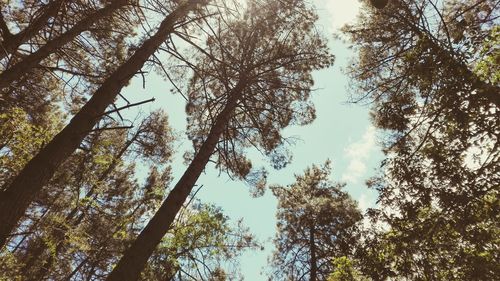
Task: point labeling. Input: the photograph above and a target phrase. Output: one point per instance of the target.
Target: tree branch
(127, 106)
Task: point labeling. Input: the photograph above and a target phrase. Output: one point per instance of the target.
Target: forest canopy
(92, 188)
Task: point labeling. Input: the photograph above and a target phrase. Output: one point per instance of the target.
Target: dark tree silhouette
(252, 79)
(15, 198)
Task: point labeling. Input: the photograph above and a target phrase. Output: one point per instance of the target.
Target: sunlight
(341, 11)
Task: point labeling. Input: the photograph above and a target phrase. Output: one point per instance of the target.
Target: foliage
(203, 245)
(68, 73)
(344, 270)
(88, 211)
(432, 82)
(264, 54)
(20, 139)
(487, 68)
(316, 223)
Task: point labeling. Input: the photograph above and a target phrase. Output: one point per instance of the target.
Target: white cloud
(366, 200)
(340, 11)
(358, 154)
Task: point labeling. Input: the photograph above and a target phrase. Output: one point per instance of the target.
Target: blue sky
(341, 133)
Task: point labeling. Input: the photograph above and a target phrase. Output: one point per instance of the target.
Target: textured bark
(133, 261)
(16, 197)
(11, 42)
(25, 65)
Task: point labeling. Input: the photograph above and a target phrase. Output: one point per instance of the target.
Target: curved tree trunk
(17, 196)
(22, 67)
(11, 42)
(133, 261)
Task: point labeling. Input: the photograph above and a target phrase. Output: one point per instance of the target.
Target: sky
(342, 133)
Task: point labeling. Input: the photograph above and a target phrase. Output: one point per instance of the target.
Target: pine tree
(252, 79)
(15, 198)
(439, 109)
(316, 223)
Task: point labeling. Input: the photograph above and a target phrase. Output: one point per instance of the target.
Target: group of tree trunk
(69, 187)
(73, 204)
(430, 71)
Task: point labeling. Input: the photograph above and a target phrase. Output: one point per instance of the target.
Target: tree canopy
(87, 183)
(316, 223)
(438, 186)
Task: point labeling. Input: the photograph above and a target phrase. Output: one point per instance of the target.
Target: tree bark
(22, 67)
(11, 42)
(133, 261)
(16, 197)
(59, 234)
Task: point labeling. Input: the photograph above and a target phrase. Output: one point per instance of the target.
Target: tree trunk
(11, 42)
(133, 261)
(22, 67)
(15, 199)
(314, 261)
(36, 251)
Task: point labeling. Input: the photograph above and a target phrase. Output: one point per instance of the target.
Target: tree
(252, 79)
(56, 73)
(202, 245)
(439, 184)
(345, 271)
(19, 69)
(316, 222)
(88, 211)
(41, 14)
(15, 198)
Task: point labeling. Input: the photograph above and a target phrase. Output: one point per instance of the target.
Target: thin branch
(127, 106)
(112, 128)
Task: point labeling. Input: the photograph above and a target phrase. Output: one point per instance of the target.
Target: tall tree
(20, 68)
(95, 194)
(252, 79)
(41, 13)
(201, 244)
(436, 95)
(15, 198)
(73, 70)
(316, 221)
